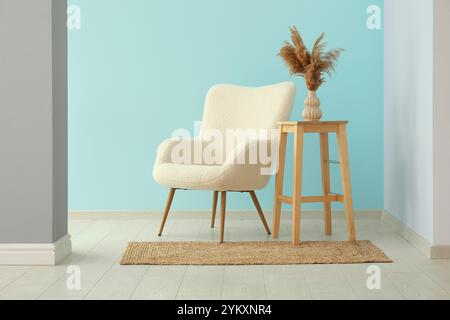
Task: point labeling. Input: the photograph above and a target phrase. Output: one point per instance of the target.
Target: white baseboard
(35, 254)
(431, 251)
(440, 252)
(407, 233)
(232, 214)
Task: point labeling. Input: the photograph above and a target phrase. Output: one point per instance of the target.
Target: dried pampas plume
(312, 66)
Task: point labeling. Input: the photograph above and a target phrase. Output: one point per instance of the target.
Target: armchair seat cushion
(210, 177)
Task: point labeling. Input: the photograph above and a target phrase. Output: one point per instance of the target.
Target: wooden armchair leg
(260, 211)
(223, 209)
(166, 212)
(214, 209)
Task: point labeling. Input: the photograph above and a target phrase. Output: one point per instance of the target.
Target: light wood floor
(98, 243)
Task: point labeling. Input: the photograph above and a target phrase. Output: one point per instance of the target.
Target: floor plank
(77, 227)
(160, 283)
(202, 283)
(285, 283)
(10, 274)
(327, 281)
(438, 271)
(118, 283)
(417, 286)
(243, 283)
(341, 294)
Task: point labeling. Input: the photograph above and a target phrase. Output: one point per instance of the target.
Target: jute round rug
(252, 253)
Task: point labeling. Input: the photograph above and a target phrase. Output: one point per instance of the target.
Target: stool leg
(326, 186)
(298, 177)
(279, 185)
(346, 181)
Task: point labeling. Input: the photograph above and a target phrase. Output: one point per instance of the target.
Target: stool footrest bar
(313, 199)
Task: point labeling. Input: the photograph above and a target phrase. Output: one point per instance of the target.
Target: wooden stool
(299, 129)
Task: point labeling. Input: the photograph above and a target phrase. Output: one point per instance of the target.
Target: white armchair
(214, 161)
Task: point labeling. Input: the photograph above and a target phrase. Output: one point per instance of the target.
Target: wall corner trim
(48, 254)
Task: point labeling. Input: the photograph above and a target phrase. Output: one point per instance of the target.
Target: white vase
(312, 110)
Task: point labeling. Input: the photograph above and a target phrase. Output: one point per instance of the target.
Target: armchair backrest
(236, 107)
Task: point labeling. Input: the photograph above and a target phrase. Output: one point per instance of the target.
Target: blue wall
(141, 68)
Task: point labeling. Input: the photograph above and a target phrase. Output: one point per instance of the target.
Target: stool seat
(299, 129)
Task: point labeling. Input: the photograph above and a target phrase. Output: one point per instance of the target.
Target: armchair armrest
(257, 152)
(166, 149)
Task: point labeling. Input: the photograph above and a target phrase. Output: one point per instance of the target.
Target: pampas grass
(312, 66)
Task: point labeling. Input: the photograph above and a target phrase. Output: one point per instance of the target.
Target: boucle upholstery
(227, 107)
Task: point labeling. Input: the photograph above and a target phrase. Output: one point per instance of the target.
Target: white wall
(409, 160)
(442, 121)
(417, 116)
(33, 121)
